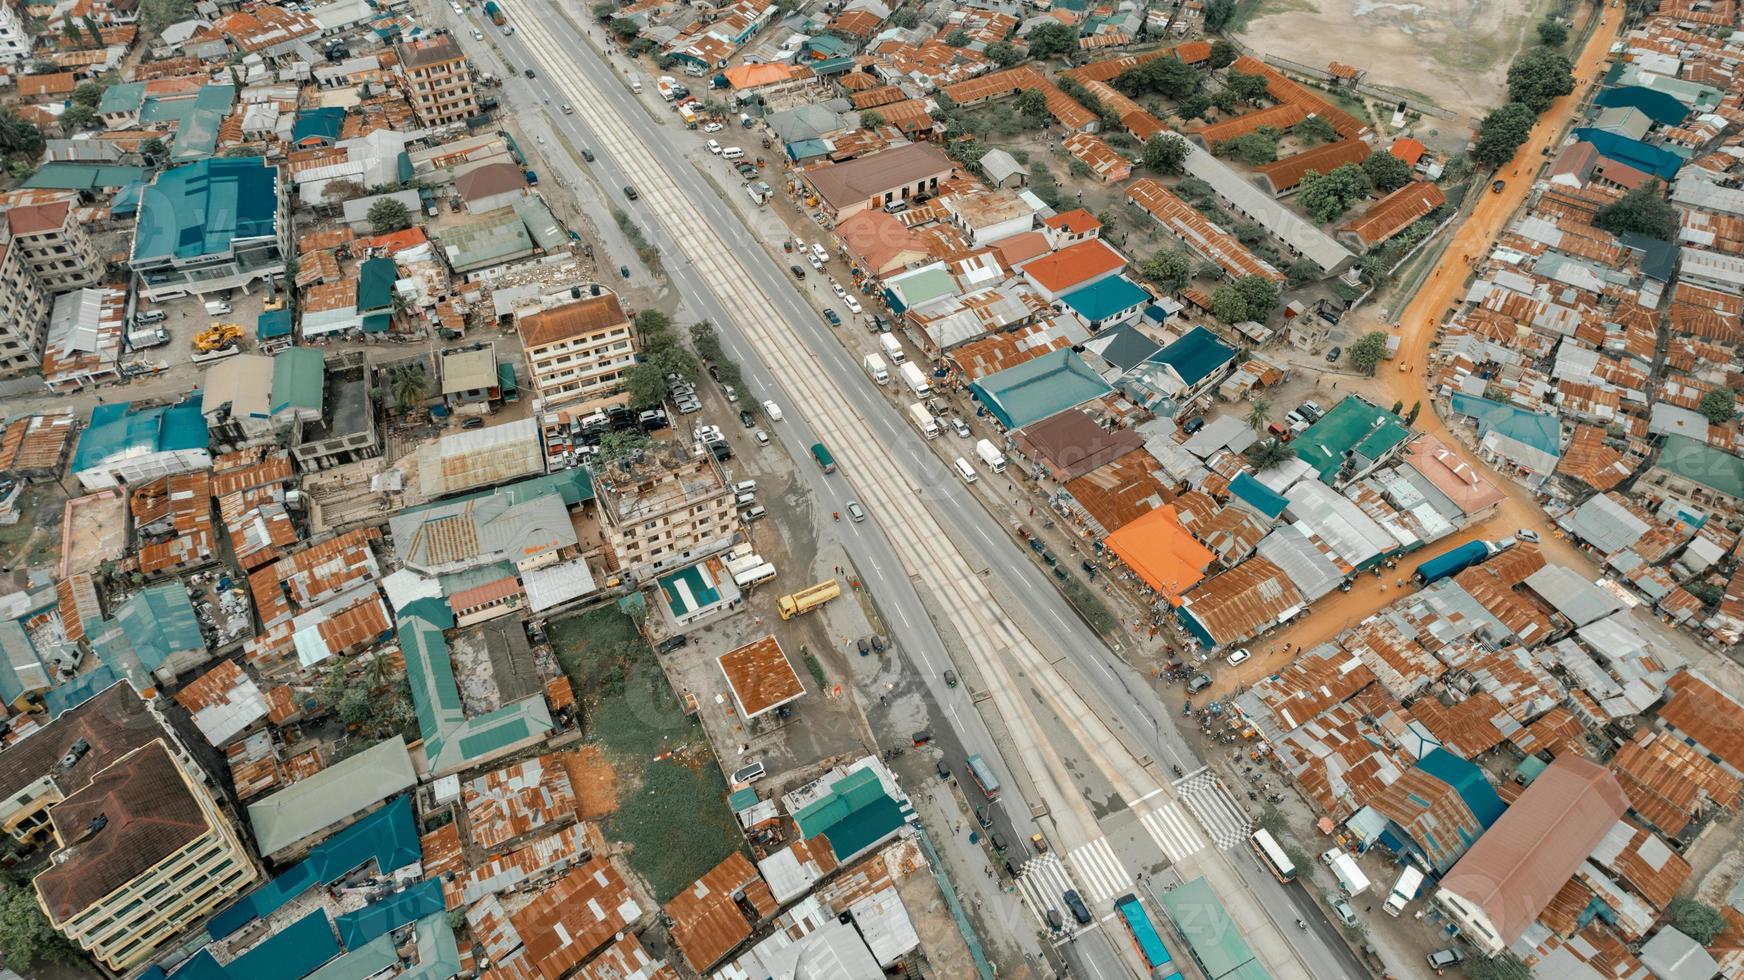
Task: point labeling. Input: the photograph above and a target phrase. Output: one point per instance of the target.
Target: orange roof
(706, 918)
(1288, 172)
(59, 83)
(395, 242)
(1017, 249)
(1074, 264)
(1078, 221)
(753, 76)
(761, 676)
(1280, 116)
(1161, 551)
(38, 218)
(1395, 212)
(1408, 150)
(1284, 89)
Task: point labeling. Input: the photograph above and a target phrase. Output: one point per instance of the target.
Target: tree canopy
(1538, 77)
(1719, 406)
(1642, 211)
(1052, 40)
(1165, 152)
(388, 214)
(1170, 77)
(1218, 14)
(1253, 149)
(1250, 298)
(1697, 920)
(1314, 130)
(25, 933)
(1328, 195)
(18, 135)
(1268, 453)
(1502, 132)
(1002, 54)
(1223, 53)
(1247, 88)
(1551, 33)
(1169, 268)
(1368, 352)
(1387, 172)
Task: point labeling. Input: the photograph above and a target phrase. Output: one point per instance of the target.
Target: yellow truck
(807, 599)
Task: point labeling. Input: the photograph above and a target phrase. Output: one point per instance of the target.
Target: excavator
(220, 341)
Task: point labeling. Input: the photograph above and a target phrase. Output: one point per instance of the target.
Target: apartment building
(667, 511)
(55, 247)
(15, 39)
(210, 227)
(24, 310)
(438, 81)
(577, 353)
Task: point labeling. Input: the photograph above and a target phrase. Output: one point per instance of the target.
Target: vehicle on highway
(773, 410)
(1076, 906)
(1496, 188)
(797, 270)
(1334, 354)
(587, 154)
(624, 271)
(1145, 938)
(630, 192)
(528, 72)
(568, 109)
(983, 776)
(477, 35)
(855, 512)
(1527, 534)
(1238, 656)
(823, 457)
(1444, 958)
(1055, 922)
(508, 30)
(1345, 913)
(830, 315)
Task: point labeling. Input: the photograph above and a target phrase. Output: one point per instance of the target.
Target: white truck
(1404, 890)
(990, 455)
(1351, 879)
(665, 86)
(892, 347)
(916, 380)
(923, 420)
(876, 370)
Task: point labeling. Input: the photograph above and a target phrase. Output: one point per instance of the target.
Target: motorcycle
(1177, 770)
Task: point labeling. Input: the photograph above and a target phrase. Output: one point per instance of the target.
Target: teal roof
(1353, 426)
(438, 955)
(1039, 388)
(323, 124)
(117, 430)
(78, 690)
(686, 592)
(359, 927)
(742, 800)
(289, 954)
(451, 739)
(1645, 157)
(1200, 918)
(506, 377)
(375, 285)
(65, 175)
(856, 815)
(197, 134)
(201, 208)
(122, 97)
(1195, 356)
(574, 485)
(1662, 107)
(807, 149)
(147, 630)
(1701, 463)
(919, 287)
(388, 837)
(1257, 495)
(273, 324)
(1105, 298)
(299, 377)
(1537, 430)
(126, 200)
(1468, 781)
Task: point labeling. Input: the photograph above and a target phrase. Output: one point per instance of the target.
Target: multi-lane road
(1072, 731)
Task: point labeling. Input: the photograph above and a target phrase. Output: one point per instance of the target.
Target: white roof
(1284, 224)
(556, 584)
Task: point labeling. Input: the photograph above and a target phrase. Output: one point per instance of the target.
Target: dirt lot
(1455, 52)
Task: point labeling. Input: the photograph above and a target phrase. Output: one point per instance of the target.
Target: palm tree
(1259, 413)
(408, 384)
(1267, 454)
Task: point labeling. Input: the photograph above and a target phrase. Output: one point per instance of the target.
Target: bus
(982, 773)
(1272, 856)
(1145, 939)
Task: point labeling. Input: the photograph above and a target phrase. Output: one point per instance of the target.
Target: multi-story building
(55, 246)
(209, 227)
(15, 41)
(24, 309)
(667, 511)
(141, 849)
(578, 352)
(438, 81)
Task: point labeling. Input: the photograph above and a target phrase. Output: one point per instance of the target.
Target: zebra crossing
(1101, 872)
(1218, 812)
(1041, 881)
(1173, 831)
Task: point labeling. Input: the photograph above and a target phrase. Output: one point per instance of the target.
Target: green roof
(1200, 918)
(1039, 388)
(1353, 425)
(336, 793)
(197, 133)
(1701, 463)
(117, 429)
(146, 630)
(201, 208)
(65, 175)
(273, 324)
(375, 285)
(122, 97)
(919, 287)
(1106, 297)
(1537, 430)
(359, 927)
(1195, 355)
(451, 739)
(299, 377)
(856, 815)
(323, 124)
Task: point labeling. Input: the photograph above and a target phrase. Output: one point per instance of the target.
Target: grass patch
(1247, 11)
(39, 502)
(1088, 606)
(672, 798)
(813, 664)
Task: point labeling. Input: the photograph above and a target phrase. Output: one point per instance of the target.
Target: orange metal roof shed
(1161, 551)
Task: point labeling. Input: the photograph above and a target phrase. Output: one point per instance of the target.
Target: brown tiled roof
(1589, 460)
(1395, 212)
(211, 689)
(1281, 116)
(37, 218)
(507, 803)
(990, 355)
(356, 625)
(1649, 868)
(77, 603)
(872, 98)
(58, 83)
(113, 723)
(148, 812)
(1467, 728)
(706, 921)
(1288, 172)
(1071, 444)
(761, 676)
(1283, 89)
(1316, 680)
(583, 316)
(572, 918)
(429, 51)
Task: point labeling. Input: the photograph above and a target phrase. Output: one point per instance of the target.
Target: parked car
(1527, 534)
(749, 420)
(853, 304)
(797, 270)
(830, 315)
(960, 427)
(1342, 909)
(671, 643)
(713, 127)
(1441, 959)
(1334, 354)
(836, 287)
(1199, 682)
(1238, 656)
(1193, 424)
(473, 423)
(761, 437)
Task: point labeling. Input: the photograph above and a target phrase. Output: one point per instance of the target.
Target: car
(624, 270)
(508, 30)
(671, 643)
(855, 512)
(587, 154)
(761, 437)
(748, 419)
(1238, 656)
(714, 147)
(473, 423)
(1342, 909)
(1193, 425)
(477, 35)
(950, 678)
(830, 315)
(1199, 682)
(836, 287)
(1527, 534)
(1055, 922)
(797, 270)
(853, 304)
(815, 264)
(527, 72)
(749, 774)
(1441, 959)
(713, 127)
(997, 839)
(1076, 906)
(1334, 354)
(1496, 188)
(1295, 421)
(568, 109)
(630, 192)
(1312, 409)
(731, 392)
(960, 427)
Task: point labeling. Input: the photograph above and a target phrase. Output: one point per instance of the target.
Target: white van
(732, 153)
(636, 83)
(755, 512)
(817, 249)
(1404, 890)
(965, 471)
(217, 307)
(892, 347)
(745, 486)
(714, 147)
(772, 410)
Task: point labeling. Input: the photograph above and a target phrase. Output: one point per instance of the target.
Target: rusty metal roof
(518, 799)
(37, 442)
(761, 676)
(1669, 783)
(706, 921)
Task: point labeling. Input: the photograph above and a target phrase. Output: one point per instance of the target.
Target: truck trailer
(990, 455)
(892, 347)
(916, 380)
(923, 420)
(807, 599)
(495, 13)
(1452, 562)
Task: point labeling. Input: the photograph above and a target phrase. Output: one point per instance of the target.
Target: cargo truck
(1452, 562)
(1404, 890)
(990, 455)
(1351, 880)
(807, 599)
(892, 347)
(876, 370)
(495, 13)
(665, 85)
(823, 457)
(916, 380)
(923, 420)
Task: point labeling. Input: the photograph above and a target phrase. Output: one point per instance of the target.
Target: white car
(713, 127)
(853, 304)
(477, 35)
(815, 264)
(836, 287)
(714, 147)
(1238, 656)
(1527, 534)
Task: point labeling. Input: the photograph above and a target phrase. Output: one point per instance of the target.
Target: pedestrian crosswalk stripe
(1173, 831)
(1101, 872)
(1224, 820)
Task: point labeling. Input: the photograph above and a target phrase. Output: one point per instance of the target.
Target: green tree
(1194, 106)
(1264, 455)
(654, 328)
(1711, 593)
(88, 94)
(1033, 106)
(1551, 33)
(1368, 352)
(1538, 77)
(1328, 195)
(625, 28)
(605, 10)
(1218, 14)
(18, 135)
(1259, 412)
(1223, 53)
(155, 15)
(1164, 153)
(619, 443)
(1169, 268)
(1642, 211)
(646, 385)
(80, 117)
(1247, 88)
(1314, 130)
(871, 119)
(408, 384)
(355, 705)
(1261, 296)
(154, 151)
(1002, 54)
(905, 19)
(958, 38)
(1052, 40)
(1169, 77)
(1719, 406)
(1303, 270)
(1697, 920)
(1502, 132)
(1504, 967)
(1386, 171)
(25, 933)
(95, 32)
(387, 215)
(1253, 149)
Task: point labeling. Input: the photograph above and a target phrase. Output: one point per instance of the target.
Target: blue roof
(1468, 781)
(147, 630)
(324, 123)
(126, 200)
(387, 836)
(291, 953)
(118, 430)
(273, 324)
(1039, 388)
(1662, 107)
(197, 133)
(1196, 355)
(1105, 298)
(1539, 431)
(363, 925)
(807, 149)
(1257, 495)
(78, 690)
(201, 208)
(1645, 157)
(69, 175)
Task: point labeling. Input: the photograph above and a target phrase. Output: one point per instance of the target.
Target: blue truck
(1453, 562)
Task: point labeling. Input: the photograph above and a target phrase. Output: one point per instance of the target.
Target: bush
(1642, 211)
(1368, 352)
(1538, 77)
(388, 215)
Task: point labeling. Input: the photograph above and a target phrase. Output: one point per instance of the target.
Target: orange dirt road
(1419, 321)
